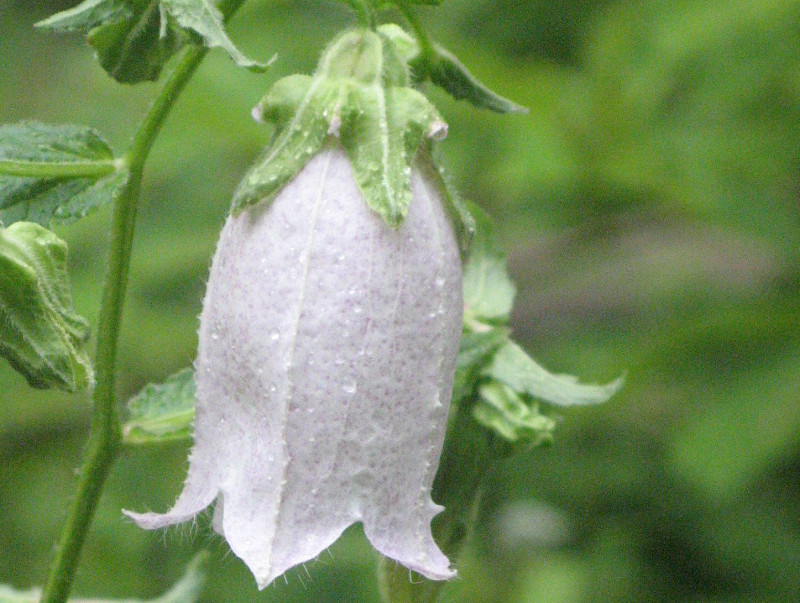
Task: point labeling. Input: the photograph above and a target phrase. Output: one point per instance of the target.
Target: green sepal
(475, 352)
(381, 136)
(135, 38)
(488, 288)
(359, 95)
(443, 69)
(186, 590)
(299, 107)
(41, 335)
(49, 148)
(162, 412)
(494, 376)
(447, 72)
(505, 412)
(514, 368)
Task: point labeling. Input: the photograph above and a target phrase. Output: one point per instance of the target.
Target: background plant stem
(105, 436)
(467, 458)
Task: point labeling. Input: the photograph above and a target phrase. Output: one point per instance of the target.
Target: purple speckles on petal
(327, 349)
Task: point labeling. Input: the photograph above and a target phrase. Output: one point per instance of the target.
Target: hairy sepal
(360, 96)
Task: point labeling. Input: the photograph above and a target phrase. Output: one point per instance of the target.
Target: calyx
(360, 94)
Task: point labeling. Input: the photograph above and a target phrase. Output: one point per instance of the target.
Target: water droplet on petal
(349, 386)
(274, 335)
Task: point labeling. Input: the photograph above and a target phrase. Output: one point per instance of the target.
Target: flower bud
(327, 348)
(41, 335)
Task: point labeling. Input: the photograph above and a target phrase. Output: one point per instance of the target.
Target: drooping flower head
(330, 327)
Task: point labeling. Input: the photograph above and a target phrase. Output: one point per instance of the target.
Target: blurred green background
(650, 208)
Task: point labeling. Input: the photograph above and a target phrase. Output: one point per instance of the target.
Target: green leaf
(131, 41)
(488, 289)
(187, 590)
(446, 71)
(503, 411)
(72, 171)
(204, 18)
(162, 412)
(135, 38)
(41, 336)
(514, 368)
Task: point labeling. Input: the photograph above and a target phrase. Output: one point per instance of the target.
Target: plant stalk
(105, 437)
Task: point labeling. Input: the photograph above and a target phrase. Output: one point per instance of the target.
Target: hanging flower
(329, 332)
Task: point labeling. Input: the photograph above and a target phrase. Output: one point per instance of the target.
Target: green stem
(105, 437)
(362, 11)
(58, 169)
(426, 49)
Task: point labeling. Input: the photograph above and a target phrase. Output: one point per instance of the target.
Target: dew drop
(349, 386)
(214, 335)
(357, 309)
(274, 335)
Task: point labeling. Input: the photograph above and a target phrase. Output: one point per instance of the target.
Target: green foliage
(204, 19)
(135, 38)
(162, 412)
(187, 590)
(131, 40)
(66, 171)
(41, 336)
(648, 205)
(444, 69)
(493, 373)
(488, 289)
(447, 72)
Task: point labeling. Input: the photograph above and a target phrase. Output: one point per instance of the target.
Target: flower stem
(426, 49)
(105, 436)
(362, 11)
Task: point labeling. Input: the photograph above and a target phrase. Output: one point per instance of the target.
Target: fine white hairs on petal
(327, 349)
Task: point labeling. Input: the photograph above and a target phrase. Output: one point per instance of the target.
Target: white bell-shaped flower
(327, 349)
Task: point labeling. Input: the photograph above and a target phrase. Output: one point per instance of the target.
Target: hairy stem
(105, 437)
(426, 48)
(362, 11)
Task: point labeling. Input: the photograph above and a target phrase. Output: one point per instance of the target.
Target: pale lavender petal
(325, 366)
